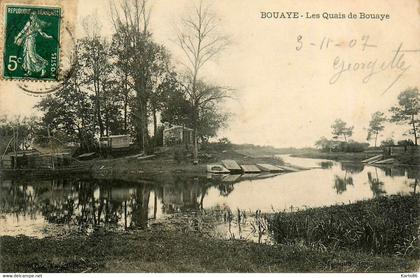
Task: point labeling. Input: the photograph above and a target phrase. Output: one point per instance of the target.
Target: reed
(384, 225)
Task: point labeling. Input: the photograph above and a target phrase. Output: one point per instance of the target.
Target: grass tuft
(385, 225)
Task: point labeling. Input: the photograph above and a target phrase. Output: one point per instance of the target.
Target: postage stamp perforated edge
(54, 65)
(68, 12)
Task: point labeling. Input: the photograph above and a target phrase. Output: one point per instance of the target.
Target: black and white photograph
(199, 136)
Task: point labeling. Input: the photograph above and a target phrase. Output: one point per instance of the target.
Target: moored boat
(217, 169)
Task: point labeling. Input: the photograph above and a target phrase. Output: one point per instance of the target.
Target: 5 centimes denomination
(37, 45)
(31, 42)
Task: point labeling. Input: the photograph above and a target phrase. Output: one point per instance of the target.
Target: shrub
(407, 142)
(326, 145)
(353, 147)
(388, 142)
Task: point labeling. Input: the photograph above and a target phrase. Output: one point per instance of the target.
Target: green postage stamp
(31, 47)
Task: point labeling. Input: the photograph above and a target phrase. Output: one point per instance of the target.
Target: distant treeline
(406, 112)
(253, 150)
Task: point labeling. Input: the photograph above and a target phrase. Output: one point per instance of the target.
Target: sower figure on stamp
(32, 61)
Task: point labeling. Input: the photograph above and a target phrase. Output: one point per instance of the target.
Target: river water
(42, 208)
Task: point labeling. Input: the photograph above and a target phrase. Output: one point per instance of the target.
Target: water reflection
(90, 204)
(352, 167)
(376, 184)
(340, 183)
(30, 206)
(326, 164)
(225, 189)
(414, 185)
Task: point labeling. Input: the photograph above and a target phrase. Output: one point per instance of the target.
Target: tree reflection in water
(225, 189)
(415, 186)
(181, 194)
(413, 173)
(326, 164)
(92, 204)
(18, 199)
(352, 167)
(376, 184)
(340, 183)
(139, 209)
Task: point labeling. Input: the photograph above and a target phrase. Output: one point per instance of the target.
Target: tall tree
(202, 112)
(168, 88)
(376, 125)
(340, 128)
(145, 64)
(200, 41)
(407, 111)
(120, 59)
(131, 22)
(113, 106)
(160, 74)
(175, 107)
(94, 60)
(69, 112)
(210, 116)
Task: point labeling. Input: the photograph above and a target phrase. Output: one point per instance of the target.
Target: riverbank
(173, 251)
(160, 166)
(339, 156)
(385, 229)
(383, 225)
(165, 164)
(400, 159)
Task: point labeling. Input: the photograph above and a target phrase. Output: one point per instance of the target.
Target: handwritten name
(396, 62)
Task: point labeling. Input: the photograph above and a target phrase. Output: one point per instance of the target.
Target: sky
(284, 71)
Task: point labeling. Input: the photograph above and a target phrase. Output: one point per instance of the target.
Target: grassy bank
(369, 236)
(339, 156)
(167, 163)
(386, 225)
(400, 159)
(172, 251)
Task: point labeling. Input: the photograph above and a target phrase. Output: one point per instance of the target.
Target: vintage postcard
(241, 136)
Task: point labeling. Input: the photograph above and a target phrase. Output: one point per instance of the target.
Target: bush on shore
(326, 145)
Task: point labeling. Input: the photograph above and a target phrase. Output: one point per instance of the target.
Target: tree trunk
(95, 222)
(195, 146)
(125, 215)
(376, 138)
(98, 109)
(195, 136)
(202, 200)
(414, 129)
(155, 205)
(125, 102)
(106, 121)
(154, 123)
(195, 120)
(101, 206)
(125, 112)
(145, 135)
